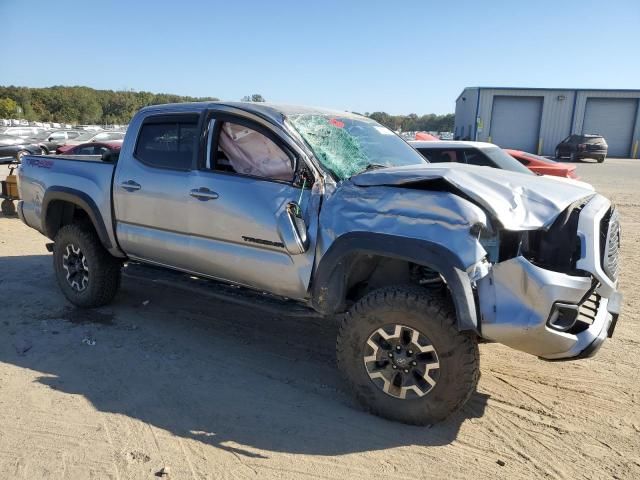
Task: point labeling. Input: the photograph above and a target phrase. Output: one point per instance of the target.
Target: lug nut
(410, 352)
(390, 355)
(398, 347)
(414, 363)
(394, 367)
(406, 371)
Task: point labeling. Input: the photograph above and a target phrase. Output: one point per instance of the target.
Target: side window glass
(245, 151)
(167, 145)
(473, 157)
(439, 156)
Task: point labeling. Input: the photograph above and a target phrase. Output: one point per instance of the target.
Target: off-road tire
(431, 314)
(8, 208)
(20, 154)
(104, 270)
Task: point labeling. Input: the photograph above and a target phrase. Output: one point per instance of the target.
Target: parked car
(48, 140)
(92, 136)
(14, 148)
(577, 147)
(92, 148)
(331, 213)
(425, 137)
(472, 153)
(20, 131)
(543, 166)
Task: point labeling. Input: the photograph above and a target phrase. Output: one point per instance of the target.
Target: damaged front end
(532, 262)
(552, 292)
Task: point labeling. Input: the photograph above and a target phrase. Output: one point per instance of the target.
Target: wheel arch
(63, 205)
(331, 280)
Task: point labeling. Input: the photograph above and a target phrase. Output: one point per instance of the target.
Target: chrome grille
(611, 247)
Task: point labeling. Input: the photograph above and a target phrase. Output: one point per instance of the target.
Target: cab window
(168, 142)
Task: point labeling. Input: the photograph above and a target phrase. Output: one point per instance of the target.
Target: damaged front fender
(431, 229)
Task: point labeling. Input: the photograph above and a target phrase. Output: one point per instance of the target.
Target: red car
(92, 148)
(544, 166)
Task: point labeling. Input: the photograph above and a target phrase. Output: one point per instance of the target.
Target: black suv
(577, 147)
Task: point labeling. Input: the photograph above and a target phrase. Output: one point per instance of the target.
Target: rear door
(238, 208)
(150, 190)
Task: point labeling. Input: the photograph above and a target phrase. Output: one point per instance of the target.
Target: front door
(238, 210)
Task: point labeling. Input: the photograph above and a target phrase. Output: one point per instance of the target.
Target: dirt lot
(213, 390)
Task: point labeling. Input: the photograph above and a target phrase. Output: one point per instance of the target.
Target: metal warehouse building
(537, 119)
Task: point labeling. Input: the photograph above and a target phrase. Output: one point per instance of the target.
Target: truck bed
(45, 177)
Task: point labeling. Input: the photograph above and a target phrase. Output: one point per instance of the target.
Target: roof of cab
(271, 111)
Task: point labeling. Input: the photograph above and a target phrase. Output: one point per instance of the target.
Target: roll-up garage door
(515, 122)
(614, 119)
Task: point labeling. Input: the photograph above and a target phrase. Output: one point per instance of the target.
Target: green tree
(256, 97)
(8, 107)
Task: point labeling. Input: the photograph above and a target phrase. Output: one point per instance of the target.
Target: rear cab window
(169, 141)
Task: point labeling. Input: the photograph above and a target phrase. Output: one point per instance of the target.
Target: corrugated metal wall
(581, 104)
(466, 113)
(562, 113)
(557, 107)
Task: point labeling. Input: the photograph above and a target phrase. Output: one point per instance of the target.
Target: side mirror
(293, 229)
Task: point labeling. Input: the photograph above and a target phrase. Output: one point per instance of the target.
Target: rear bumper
(591, 154)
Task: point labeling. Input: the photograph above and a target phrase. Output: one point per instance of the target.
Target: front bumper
(519, 301)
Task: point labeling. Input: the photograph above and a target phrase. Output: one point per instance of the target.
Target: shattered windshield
(347, 145)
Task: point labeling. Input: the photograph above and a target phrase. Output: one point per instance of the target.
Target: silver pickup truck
(338, 213)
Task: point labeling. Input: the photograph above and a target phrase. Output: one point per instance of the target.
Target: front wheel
(87, 274)
(404, 358)
(558, 157)
(601, 158)
(21, 154)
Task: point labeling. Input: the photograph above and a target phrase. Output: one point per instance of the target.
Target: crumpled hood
(517, 201)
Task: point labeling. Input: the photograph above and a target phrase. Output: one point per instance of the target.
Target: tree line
(414, 123)
(84, 105)
(80, 105)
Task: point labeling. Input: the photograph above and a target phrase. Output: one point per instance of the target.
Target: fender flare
(81, 200)
(329, 286)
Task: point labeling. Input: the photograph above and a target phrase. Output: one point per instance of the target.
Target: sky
(359, 55)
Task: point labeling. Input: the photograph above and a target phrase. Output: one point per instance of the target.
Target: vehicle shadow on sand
(225, 375)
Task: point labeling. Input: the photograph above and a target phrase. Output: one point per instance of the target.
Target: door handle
(130, 186)
(203, 194)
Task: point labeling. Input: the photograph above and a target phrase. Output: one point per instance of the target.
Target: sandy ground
(213, 390)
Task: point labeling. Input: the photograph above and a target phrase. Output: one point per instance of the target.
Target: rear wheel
(87, 274)
(404, 358)
(8, 208)
(558, 157)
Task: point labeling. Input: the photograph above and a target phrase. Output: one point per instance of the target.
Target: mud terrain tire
(87, 274)
(373, 320)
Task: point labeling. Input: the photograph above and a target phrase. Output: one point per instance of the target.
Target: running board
(219, 290)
